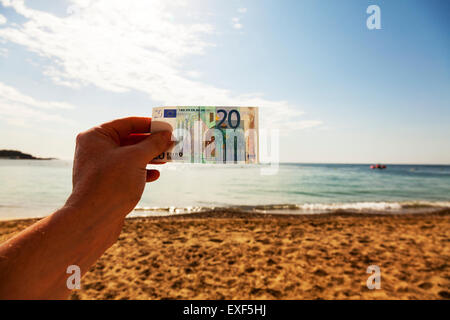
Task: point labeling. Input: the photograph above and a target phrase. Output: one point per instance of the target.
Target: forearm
(109, 177)
(33, 264)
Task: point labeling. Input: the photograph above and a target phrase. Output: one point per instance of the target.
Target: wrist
(92, 211)
(94, 204)
(92, 220)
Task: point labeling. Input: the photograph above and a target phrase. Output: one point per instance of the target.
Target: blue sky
(337, 91)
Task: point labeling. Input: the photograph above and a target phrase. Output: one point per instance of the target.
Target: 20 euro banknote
(209, 134)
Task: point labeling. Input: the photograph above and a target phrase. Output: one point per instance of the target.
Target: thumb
(153, 146)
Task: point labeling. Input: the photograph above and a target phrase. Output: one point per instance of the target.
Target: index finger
(122, 128)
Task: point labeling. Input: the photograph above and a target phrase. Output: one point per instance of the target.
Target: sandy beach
(223, 255)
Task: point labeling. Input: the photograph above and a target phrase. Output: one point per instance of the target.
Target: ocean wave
(305, 208)
(166, 211)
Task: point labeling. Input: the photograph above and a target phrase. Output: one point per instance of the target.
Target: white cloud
(3, 19)
(19, 109)
(237, 25)
(305, 124)
(242, 10)
(194, 74)
(121, 45)
(12, 95)
(235, 22)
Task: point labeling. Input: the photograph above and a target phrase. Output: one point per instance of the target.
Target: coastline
(307, 210)
(223, 255)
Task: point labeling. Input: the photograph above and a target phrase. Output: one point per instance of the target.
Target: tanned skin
(109, 176)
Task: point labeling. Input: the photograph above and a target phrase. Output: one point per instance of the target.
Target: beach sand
(240, 256)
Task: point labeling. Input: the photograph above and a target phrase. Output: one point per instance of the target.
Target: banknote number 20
(230, 124)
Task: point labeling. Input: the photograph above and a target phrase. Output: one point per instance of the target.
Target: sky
(337, 91)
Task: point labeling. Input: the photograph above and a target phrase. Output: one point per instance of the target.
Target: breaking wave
(305, 208)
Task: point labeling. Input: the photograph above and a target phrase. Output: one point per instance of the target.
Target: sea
(36, 188)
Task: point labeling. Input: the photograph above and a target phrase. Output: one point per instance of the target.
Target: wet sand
(240, 256)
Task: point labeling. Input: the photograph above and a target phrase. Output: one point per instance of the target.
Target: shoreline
(236, 213)
(224, 255)
(226, 213)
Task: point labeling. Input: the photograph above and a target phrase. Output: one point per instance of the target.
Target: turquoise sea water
(36, 188)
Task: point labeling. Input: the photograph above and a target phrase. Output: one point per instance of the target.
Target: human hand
(109, 176)
(109, 170)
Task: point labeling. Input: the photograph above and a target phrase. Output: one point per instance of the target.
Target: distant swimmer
(378, 166)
